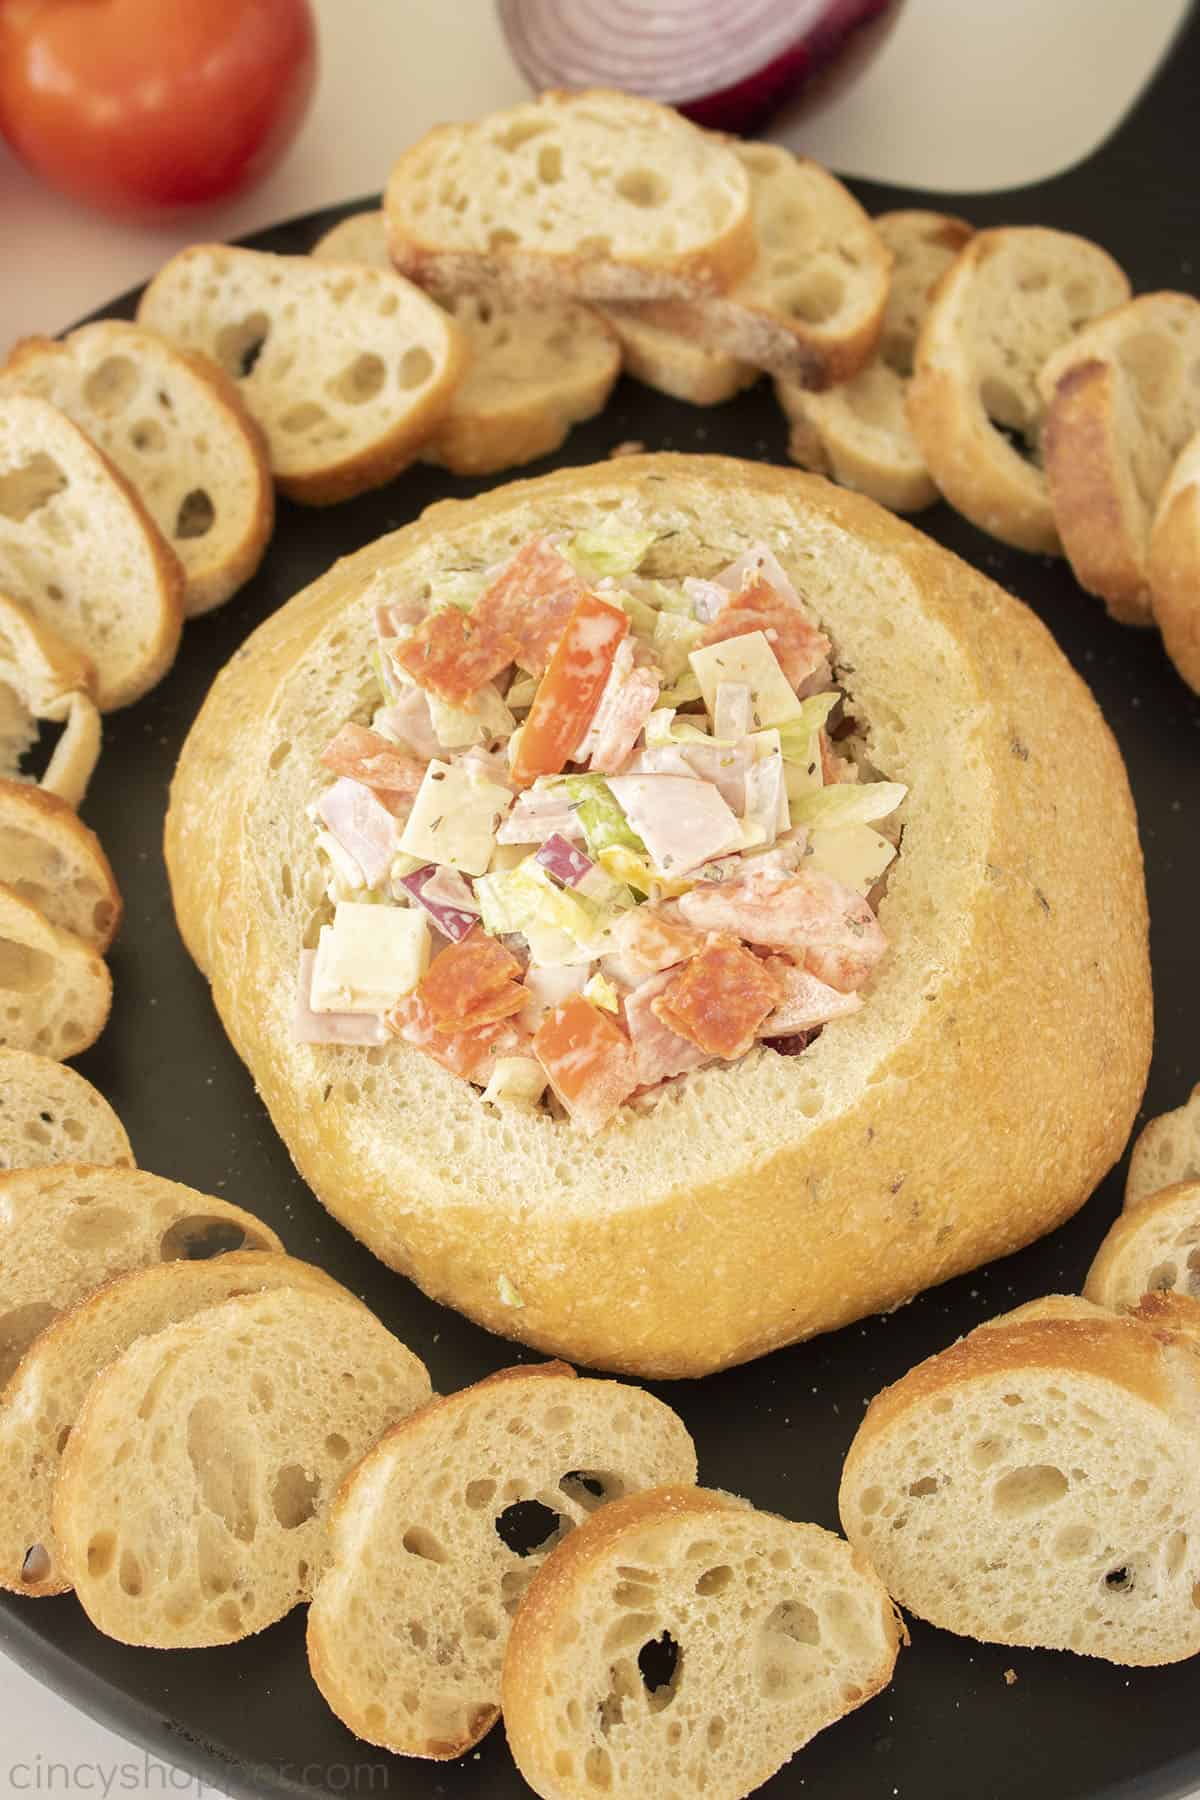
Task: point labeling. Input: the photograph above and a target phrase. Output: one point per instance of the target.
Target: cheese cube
(370, 957)
(853, 854)
(749, 659)
(454, 819)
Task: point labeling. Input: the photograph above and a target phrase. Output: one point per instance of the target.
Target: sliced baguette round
(1122, 400)
(1165, 1151)
(674, 364)
(362, 238)
(1048, 1306)
(1173, 564)
(778, 1630)
(752, 1200)
(67, 1229)
(594, 194)
(55, 988)
(175, 426)
(1155, 1248)
(859, 432)
(345, 368)
(43, 677)
(42, 1401)
(50, 1115)
(422, 1580)
(191, 1498)
(810, 308)
(51, 859)
(78, 548)
(1009, 300)
(1039, 1485)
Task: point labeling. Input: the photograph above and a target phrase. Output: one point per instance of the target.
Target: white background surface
(963, 94)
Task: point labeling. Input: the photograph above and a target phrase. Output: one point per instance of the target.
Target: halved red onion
(727, 67)
(564, 861)
(453, 922)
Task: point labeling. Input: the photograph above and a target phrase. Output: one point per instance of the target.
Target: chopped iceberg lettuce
(612, 549)
(604, 823)
(674, 640)
(848, 803)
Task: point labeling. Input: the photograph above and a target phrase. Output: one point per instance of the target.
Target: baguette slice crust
(594, 194)
(1165, 1151)
(859, 432)
(51, 859)
(191, 1499)
(779, 1630)
(422, 1580)
(55, 988)
(811, 306)
(674, 364)
(50, 1115)
(1174, 565)
(78, 548)
(1038, 1485)
(346, 369)
(765, 1227)
(1155, 1248)
(43, 1399)
(175, 426)
(66, 1230)
(1010, 299)
(43, 677)
(1122, 400)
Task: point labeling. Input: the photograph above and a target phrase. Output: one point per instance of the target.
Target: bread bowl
(970, 1105)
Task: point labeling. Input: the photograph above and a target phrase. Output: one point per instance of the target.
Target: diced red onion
(727, 67)
(452, 921)
(564, 861)
(795, 1044)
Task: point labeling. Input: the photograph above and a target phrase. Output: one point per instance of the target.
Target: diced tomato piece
(799, 647)
(452, 656)
(530, 601)
(462, 1052)
(645, 935)
(374, 762)
(588, 1060)
(719, 999)
(569, 692)
(472, 983)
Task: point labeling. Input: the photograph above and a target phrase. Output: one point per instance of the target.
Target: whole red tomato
(154, 105)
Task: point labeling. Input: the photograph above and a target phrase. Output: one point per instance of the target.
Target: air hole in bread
(387, 306)
(595, 246)
(360, 380)
(199, 1236)
(419, 1542)
(816, 298)
(18, 1329)
(527, 1526)
(337, 1446)
(644, 187)
(1007, 414)
(597, 1768)
(1152, 363)
(500, 237)
(25, 489)
(1074, 1541)
(716, 1580)
(1029, 1490)
(1120, 1580)
(36, 1566)
(928, 1484)
(239, 346)
(229, 1617)
(131, 1575)
(478, 1493)
(512, 1587)
(196, 514)
(480, 1623)
(148, 436)
(550, 164)
(303, 417)
(221, 1453)
(520, 132)
(101, 1553)
(294, 1496)
(110, 386)
(660, 1665)
(589, 1489)
(416, 366)
(1174, 1554)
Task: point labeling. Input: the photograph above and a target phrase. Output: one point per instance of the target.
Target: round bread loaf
(972, 1104)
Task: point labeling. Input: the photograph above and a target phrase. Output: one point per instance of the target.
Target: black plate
(248, 1717)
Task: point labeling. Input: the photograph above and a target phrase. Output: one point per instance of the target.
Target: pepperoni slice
(374, 762)
(453, 655)
(589, 1062)
(719, 999)
(569, 692)
(472, 983)
(799, 647)
(462, 1052)
(530, 601)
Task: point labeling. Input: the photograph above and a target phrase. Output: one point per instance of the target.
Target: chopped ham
(363, 826)
(649, 939)
(726, 766)
(452, 656)
(530, 601)
(799, 647)
(817, 919)
(464, 1053)
(408, 719)
(588, 1059)
(364, 756)
(806, 1002)
(719, 999)
(659, 1052)
(630, 696)
(755, 563)
(472, 983)
(539, 814)
(682, 822)
(569, 692)
(309, 1027)
(733, 713)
